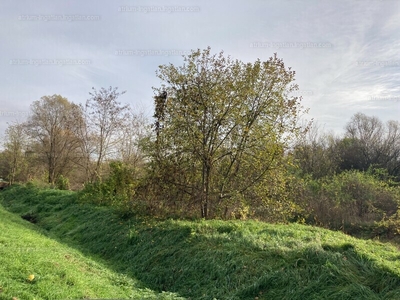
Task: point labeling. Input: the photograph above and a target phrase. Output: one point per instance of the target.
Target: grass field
(33, 266)
(194, 259)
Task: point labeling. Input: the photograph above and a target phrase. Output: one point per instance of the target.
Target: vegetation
(201, 259)
(34, 266)
(367, 143)
(352, 201)
(222, 127)
(13, 158)
(52, 128)
(105, 118)
(225, 143)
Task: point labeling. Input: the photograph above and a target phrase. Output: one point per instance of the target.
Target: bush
(350, 200)
(62, 183)
(117, 189)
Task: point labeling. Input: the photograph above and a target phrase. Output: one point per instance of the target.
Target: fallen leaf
(31, 277)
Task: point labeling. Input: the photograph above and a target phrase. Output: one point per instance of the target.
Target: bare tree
(369, 132)
(129, 150)
(390, 148)
(373, 143)
(106, 118)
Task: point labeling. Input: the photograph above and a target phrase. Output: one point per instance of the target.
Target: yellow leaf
(31, 277)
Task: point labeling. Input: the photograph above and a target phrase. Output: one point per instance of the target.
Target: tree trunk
(205, 190)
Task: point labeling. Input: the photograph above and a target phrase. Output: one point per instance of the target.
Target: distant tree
(367, 133)
(350, 154)
(106, 119)
(3, 165)
(390, 158)
(315, 153)
(222, 127)
(15, 144)
(52, 128)
(370, 143)
(129, 148)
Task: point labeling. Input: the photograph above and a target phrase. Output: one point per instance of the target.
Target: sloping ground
(218, 259)
(33, 266)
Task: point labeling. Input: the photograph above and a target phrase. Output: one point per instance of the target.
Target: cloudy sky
(346, 54)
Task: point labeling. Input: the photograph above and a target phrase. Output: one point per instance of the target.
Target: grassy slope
(59, 271)
(219, 259)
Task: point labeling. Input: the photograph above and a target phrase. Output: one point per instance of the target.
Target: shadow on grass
(206, 260)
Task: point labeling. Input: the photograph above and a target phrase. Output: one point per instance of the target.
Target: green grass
(212, 259)
(60, 272)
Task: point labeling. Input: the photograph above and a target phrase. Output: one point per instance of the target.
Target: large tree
(222, 127)
(52, 126)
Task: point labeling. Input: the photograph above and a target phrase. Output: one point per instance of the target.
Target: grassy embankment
(33, 266)
(202, 259)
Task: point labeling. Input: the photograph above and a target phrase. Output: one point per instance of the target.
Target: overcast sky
(346, 54)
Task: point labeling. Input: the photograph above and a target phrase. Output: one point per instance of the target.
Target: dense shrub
(117, 189)
(349, 200)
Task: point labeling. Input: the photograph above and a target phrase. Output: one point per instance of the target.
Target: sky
(346, 54)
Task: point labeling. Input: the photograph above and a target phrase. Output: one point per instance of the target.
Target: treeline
(351, 182)
(367, 143)
(64, 143)
(226, 141)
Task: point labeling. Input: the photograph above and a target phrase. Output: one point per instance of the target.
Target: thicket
(351, 201)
